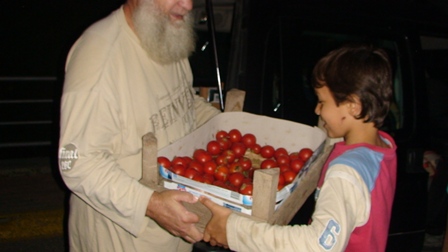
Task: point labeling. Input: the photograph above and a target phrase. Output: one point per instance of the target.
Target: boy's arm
(340, 201)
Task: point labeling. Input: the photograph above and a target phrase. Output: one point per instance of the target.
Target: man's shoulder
(105, 28)
(98, 42)
(92, 52)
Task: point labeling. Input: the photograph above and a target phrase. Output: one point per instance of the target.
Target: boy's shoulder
(364, 160)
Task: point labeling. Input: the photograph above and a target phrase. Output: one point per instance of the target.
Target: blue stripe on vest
(365, 161)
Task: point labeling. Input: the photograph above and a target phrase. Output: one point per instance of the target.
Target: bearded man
(127, 75)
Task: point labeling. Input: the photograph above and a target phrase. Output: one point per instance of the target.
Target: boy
(357, 184)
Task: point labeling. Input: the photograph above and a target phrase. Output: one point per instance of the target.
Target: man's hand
(167, 210)
(216, 230)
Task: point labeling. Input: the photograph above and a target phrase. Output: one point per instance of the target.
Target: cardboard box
(224, 197)
(267, 204)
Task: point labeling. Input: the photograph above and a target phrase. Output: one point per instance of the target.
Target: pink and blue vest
(377, 166)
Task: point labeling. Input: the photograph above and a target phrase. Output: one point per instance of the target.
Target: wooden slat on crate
(265, 189)
(234, 100)
(150, 171)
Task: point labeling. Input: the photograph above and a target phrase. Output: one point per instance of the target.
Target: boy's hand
(215, 231)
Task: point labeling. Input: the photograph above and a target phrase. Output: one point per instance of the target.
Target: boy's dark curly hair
(361, 70)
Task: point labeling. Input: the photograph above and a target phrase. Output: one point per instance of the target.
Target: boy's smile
(334, 117)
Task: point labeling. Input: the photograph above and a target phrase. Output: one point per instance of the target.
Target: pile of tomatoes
(230, 159)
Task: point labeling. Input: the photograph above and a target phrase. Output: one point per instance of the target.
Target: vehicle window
(291, 54)
(203, 61)
(435, 53)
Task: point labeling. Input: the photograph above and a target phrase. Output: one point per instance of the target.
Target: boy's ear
(354, 106)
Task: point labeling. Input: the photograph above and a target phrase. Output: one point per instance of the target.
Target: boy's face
(336, 119)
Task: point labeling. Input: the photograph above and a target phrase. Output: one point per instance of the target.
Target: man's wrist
(152, 204)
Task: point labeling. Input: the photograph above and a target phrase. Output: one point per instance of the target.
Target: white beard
(165, 42)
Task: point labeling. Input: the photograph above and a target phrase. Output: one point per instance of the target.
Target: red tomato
(197, 153)
(279, 187)
(178, 169)
(198, 178)
(248, 180)
(268, 163)
(196, 165)
(187, 159)
(249, 140)
(256, 148)
(164, 161)
(294, 155)
(220, 183)
(230, 156)
(221, 159)
(179, 160)
(282, 160)
(235, 167)
(267, 151)
(208, 178)
(190, 173)
(221, 134)
(289, 176)
(239, 149)
(232, 187)
(209, 167)
(296, 165)
(246, 189)
(283, 168)
(224, 143)
(221, 173)
(202, 156)
(280, 152)
(235, 135)
(213, 147)
(246, 163)
(305, 154)
(236, 179)
(281, 181)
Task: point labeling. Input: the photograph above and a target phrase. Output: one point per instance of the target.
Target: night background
(35, 37)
